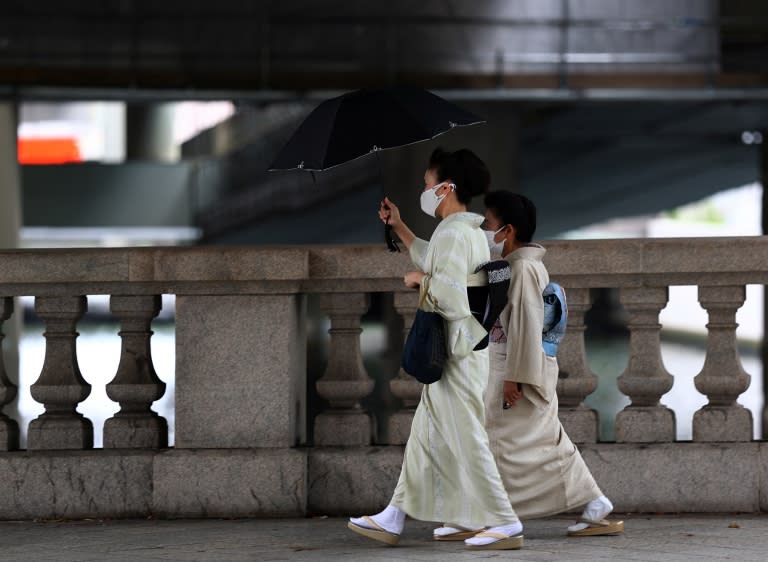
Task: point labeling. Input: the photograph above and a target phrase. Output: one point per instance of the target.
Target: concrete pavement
(648, 537)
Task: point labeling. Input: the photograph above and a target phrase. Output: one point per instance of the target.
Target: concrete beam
(548, 93)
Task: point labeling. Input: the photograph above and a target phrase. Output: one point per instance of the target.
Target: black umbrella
(366, 121)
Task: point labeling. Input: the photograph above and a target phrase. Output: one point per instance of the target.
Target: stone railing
(241, 446)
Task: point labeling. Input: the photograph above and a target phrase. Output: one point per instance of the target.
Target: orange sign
(53, 150)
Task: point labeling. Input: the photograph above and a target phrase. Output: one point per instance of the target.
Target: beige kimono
(542, 470)
(449, 473)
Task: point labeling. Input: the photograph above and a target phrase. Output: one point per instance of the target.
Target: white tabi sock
(595, 510)
(511, 530)
(392, 520)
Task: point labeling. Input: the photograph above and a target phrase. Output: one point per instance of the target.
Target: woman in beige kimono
(542, 470)
(448, 471)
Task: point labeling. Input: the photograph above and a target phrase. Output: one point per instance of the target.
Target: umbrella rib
(331, 130)
(394, 147)
(431, 136)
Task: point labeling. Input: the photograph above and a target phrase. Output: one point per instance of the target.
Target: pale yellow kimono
(542, 470)
(449, 473)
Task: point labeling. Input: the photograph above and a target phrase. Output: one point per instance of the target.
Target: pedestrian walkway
(653, 538)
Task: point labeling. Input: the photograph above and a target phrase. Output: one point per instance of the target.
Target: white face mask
(496, 248)
(430, 201)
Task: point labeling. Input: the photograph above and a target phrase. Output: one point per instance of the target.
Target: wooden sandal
(502, 542)
(376, 532)
(598, 528)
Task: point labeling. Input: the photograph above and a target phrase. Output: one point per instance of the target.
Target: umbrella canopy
(365, 121)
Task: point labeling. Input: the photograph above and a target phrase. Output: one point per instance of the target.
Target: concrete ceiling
(581, 163)
(310, 44)
(591, 162)
(585, 154)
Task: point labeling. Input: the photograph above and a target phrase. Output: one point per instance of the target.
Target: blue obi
(555, 318)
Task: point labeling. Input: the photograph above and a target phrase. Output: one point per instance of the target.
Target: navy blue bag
(425, 350)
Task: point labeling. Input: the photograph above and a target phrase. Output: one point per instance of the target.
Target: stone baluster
(576, 380)
(404, 386)
(9, 429)
(722, 378)
(645, 380)
(60, 387)
(345, 382)
(136, 384)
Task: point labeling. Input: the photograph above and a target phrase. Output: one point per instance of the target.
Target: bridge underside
(594, 111)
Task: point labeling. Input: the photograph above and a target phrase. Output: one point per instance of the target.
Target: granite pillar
(9, 429)
(240, 371)
(576, 380)
(645, 380)
(345, 382)
(136, 384)
(60, 387)
(722, 378)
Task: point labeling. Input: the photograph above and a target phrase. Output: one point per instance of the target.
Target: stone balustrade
(243, 444)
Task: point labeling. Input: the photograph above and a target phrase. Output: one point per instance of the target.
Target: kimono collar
(473, 219)
(529, 252)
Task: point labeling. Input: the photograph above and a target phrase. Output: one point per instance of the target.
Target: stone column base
(230, 483)
(51, 432)
(399, 427)
(352, 479)
(722, 424)
(641, 424)
(580, 423)
(343, 429)
(9, 435)
(135, 431)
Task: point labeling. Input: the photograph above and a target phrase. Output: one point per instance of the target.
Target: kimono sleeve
(525, 362)
(418, 252)
(444, 290)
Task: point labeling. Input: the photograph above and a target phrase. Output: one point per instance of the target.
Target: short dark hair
(516, 210)
(468, 172)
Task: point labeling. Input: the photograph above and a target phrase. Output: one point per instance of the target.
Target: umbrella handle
(389, 239)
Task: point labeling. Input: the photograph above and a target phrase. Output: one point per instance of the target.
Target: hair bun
(468, 172)
(477, 178)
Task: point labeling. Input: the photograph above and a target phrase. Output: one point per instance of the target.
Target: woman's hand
(389, 213)
(413, 279)
(512, 393)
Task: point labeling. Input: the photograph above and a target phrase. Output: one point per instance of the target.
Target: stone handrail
(241, 352)
(584, 263)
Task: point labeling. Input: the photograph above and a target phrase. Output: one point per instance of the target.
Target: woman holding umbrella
(448, 471)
